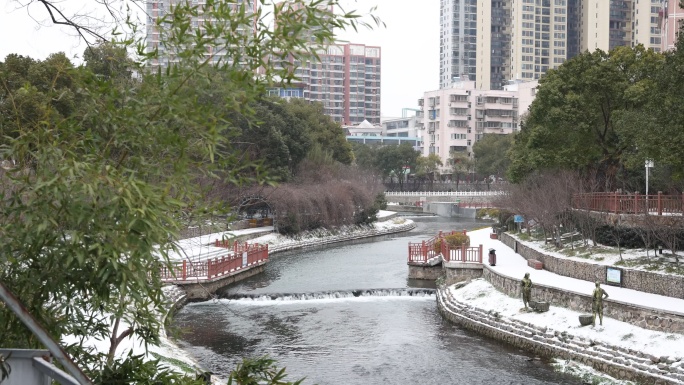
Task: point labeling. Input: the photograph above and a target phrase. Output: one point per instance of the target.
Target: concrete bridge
(444, 203)
(463, 197)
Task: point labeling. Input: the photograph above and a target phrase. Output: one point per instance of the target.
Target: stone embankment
(639, 280)
(622, 363)
(643, 317)
(335, 238)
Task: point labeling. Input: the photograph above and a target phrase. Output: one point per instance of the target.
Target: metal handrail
(43, 336)
(443, 193)
(33, 367)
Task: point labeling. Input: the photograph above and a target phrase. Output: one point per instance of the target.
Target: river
(347, 314)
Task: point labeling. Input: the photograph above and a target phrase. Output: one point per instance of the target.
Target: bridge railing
(242, 256)
(442, 193)
(620, 203)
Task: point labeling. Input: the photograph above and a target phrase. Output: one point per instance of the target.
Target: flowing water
(347, 314)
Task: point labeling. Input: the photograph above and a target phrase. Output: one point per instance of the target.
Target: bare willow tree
(545, 198)
(325, 195)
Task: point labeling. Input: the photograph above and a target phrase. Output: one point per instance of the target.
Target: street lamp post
(648, 164)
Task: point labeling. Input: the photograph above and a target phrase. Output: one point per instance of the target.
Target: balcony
(30, 367)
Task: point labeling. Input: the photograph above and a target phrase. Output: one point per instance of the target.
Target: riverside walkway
(511, 264)
(640, 339)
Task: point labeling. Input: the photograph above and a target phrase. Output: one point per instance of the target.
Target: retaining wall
(458, 272)
(449, 210)
(204, 289)
(646, 281)
(647, 318)
(625, 364)
(424, 272)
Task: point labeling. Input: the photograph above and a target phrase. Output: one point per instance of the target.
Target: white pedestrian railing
(442, 193)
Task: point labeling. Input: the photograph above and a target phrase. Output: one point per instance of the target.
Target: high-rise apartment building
(671, 17)
(345, 79)
(158, 8)
(646, 27)
(539, 37)
(631, 22)
(474, 42)
(492, 41)
(458, 40)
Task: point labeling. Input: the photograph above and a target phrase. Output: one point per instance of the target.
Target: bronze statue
(597, 303)
(526, 284)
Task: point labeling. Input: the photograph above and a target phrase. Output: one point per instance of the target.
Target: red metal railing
(420, 252)
(243, 256)
(464, 254)
(620, 203)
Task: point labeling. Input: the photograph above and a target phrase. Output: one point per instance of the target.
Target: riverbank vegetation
(605, 114)
(102, 162)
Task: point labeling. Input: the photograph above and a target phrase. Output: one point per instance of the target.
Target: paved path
(200, 248)
(511, 264)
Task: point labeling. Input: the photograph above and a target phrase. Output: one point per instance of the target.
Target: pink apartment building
(671, 16)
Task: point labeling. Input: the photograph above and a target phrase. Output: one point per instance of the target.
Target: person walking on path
(526, 284)
(597, 303)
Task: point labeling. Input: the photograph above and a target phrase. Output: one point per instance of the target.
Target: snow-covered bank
(479, 293)
(618, 349)
(279, 242)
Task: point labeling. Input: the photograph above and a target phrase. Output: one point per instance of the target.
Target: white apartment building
(539, 37)
(458, 40)
(407, 127)
(489, 41)
(457, 117)
(631, 22)
(156, 9)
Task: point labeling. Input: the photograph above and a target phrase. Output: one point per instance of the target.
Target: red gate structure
(243, 256)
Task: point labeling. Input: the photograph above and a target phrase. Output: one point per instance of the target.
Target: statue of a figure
(526, 284)
(597, 303)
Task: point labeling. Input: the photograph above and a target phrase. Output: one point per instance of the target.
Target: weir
(333, 294)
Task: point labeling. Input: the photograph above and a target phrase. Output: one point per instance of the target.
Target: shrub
(488, 212)
(453, 240)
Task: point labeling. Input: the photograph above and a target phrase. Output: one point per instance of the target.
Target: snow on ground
(167, 352)
(513, 265)
(481, 294)
(586, 373)
(202, 247)
(599, 254)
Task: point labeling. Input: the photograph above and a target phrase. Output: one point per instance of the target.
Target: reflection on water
(324, 332)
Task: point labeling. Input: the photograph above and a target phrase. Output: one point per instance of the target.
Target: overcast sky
(409, 42)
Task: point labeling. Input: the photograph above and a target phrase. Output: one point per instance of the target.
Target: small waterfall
(332, 294)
